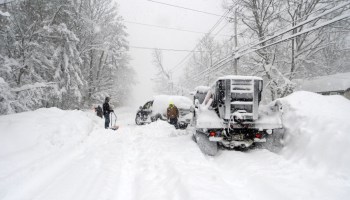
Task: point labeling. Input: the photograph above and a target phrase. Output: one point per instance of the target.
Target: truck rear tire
(207, 147)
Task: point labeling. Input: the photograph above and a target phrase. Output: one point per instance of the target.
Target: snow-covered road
(148, 162)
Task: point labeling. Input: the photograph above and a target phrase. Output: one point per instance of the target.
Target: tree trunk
(91, 75)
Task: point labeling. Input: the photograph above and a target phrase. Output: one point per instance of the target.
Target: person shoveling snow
(107, 113)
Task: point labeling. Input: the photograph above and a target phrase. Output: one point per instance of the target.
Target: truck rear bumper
(235, 144)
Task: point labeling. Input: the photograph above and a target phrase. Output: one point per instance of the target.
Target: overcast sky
(146, 12)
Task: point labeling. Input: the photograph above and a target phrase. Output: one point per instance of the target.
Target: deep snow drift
(55, 154)
(44, 129)
(318, 131)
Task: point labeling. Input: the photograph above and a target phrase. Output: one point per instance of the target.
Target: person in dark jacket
(99, 111)
(172, 114)
(106, 111)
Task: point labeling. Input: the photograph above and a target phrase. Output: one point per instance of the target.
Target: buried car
(156, 109)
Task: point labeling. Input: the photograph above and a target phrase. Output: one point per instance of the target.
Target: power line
(162, 49)
(341, 17)
(222, 62)
(296, 26)
(249, 49)
(210, 30)
(219, 21)
(191, 9)
(217, 33)
(201, 40)
(259, 39)
(163, 27)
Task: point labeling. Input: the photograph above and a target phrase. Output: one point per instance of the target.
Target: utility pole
(235, 60)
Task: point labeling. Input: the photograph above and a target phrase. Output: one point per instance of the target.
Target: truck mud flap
(207, 147)
(274, 142)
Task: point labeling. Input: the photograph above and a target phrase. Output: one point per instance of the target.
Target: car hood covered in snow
(161, 103)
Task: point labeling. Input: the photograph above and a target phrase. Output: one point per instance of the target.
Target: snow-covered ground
(54, 154)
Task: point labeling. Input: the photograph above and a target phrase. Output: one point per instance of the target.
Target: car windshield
(148, 105)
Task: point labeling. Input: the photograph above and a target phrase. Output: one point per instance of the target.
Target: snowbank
(39, 147)
(43, 129)
(318, 131)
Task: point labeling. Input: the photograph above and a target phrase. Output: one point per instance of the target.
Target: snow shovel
(114, 127)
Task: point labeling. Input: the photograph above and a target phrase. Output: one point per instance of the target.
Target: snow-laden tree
(260, 16)
(204, 58)
(42, 50)
(62, 53)
(103, 50)
(8, 102)
(307, 50)
(163, 80)
(303, 55)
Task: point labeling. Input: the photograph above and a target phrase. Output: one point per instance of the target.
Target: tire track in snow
(93, 175)
(30, 182)
(170, 166)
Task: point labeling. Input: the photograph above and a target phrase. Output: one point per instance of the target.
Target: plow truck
(229, 115)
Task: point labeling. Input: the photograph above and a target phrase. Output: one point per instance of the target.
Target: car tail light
(258, 135)
(212, 134)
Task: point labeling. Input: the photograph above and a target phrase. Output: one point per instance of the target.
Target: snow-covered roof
(335, 82)
(240, 77)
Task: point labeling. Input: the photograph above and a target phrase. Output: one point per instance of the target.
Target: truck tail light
(258, 135)
(212, 134)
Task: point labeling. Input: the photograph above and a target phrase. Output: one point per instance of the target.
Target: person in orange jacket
(173, 114)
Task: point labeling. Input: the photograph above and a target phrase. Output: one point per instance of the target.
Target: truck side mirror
(140, 107)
